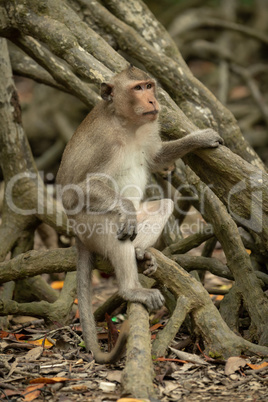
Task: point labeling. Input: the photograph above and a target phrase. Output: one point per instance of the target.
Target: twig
(248, 379)
(213, 265)
(164, 337)
(190, 242)
(217, 23)
(68, 328)
(29, 324)
(18, 371)
(254, 89)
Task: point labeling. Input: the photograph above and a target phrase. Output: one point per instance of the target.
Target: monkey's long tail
(85, 265)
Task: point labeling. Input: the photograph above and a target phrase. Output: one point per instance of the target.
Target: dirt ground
(51, 366)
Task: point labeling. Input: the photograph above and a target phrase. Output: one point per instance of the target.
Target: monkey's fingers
(122, 235)
(218, 141)
(134, 234)
(150, 271)
(209, 138)
(150, 264)
(151, 298)
(146, 261)
(127, 231)
(155, 301)
(139, 253)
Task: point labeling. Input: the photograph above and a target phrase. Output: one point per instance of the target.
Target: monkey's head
(131, 94)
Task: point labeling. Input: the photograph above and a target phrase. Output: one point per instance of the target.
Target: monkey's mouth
(153, 112)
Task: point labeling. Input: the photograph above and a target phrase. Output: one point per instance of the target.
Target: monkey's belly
(131, 183)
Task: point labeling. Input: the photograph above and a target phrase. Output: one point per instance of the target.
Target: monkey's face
(136, 102)
(143, 100)
(133, 100)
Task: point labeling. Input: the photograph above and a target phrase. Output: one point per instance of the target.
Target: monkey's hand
(127, 223)
(146, 261)
(207, 138)
(152, 298)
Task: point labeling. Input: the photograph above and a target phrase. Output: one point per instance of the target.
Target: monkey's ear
(107, 91)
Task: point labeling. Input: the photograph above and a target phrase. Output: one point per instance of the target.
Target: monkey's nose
(152, 103)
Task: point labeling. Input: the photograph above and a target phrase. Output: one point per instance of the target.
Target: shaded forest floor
(53, 367)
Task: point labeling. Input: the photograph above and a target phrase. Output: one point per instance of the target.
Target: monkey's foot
(152, 298)
(146, 261)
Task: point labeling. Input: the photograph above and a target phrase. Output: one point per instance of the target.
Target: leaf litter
(69, 374)
(39, 366)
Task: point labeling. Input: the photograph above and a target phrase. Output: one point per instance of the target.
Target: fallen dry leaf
(233, 364)
(3, 334)
(9, 392)
(164, 359)
(32, 392)
(45, 380)
(24, 339)
(13, 367)
(258, 366)
(46, 344)
(114, 375)
(156, 326)
(132, 400)
(189, 357)
(216, 297)
(57, 285)
(11, 336)
(77, 388)
(34, 354)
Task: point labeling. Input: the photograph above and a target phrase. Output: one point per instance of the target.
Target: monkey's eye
(137, 88)
(149, 86)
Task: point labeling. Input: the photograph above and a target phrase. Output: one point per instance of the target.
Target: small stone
(107, 386)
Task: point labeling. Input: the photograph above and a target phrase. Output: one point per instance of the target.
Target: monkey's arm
(97, 196)
(172, 150)
(102, 198)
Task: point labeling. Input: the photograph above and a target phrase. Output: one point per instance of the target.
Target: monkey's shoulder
(97, 127)
(91, 121)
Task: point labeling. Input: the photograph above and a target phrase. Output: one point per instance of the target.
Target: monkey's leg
(121, 253)
(152, 217)
(101, 238)
(124, 261)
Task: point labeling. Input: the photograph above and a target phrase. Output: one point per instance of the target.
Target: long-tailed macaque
(104, 171)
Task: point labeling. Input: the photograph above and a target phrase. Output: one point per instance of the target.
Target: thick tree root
(217, 336)
(137, 378)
